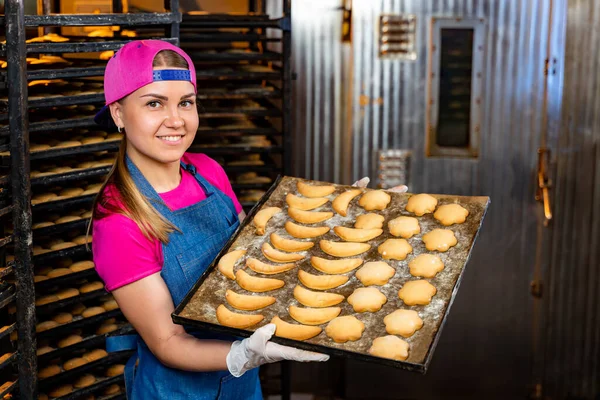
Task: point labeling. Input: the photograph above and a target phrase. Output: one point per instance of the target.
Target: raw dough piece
(309, 298)
(403, 322)
(262, 218)
(112, 389)
(417, 292)
(321, 282)
(341, 203)
(92, 311)
(106, 328)
(68, 218)
(62, 246)
(44, 197)
(84, 381)
(369, 221)
(49, 371)
(59, 272)
(115, 370)
(81, 266)
(389, 347)
(44, 350)
(439, 239)
(343, 329)
(294, 331)
(305, 232)
(92, 139)
(42, 225)
(39, 278)
(425, 265)
(255, 284)
(367, 300)
(307, 190)
(279, 256)
(267, 269)
(83, 239)
(343, 249)
(74, 363)
(375, 200)
(40, 301)
(394, 249)
(227, 262)
(314, 316)
(77, 309)
(309, 217)
(357, 235)
(375, 273)
(405, 227)
(421, 204)
(38, 147)
(95, 355)
(304, 203)
(449, 214)
(91, 287)
(62, 318)
(68, 143)
(71, 192)
(248, 302)
(289, 244)
(69, 340)
(87, 214)
(110, 305)
(335, 266)
(67, 293)
(236, 320)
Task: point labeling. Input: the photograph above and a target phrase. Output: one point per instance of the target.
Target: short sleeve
(122, 254)
(215, 174)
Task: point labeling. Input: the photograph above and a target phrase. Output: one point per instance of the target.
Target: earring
(119, 129)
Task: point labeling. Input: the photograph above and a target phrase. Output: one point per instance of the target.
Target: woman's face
(160, 120)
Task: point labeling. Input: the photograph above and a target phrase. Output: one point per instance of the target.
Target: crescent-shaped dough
(248, 302)
(227, 262)
(294, 331)
(255, 284)
(279, 256)
(307, 190)
(305, 232)
(395, 249)
(321, 282)
(375, 200)
(314, 316)
(369, 221)
(343, 249)
(340, 204)
(439, 239)
(405, 227)
(357, 235)
(421, 204)
(335, 266)
(289, 244)
(235, 320)
(304, 203)
(309, 217)
(267, 269)
(309, 298)
(262, 217)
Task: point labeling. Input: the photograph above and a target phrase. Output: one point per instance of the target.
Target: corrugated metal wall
(572, 356)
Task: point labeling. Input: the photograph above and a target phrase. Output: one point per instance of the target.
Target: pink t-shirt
(123, 255)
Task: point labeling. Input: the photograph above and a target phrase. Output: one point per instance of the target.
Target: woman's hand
(257, 350)
(362, 183)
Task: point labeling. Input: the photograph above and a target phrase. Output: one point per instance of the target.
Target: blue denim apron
(205, 228)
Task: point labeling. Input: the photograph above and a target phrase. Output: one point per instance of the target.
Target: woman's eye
(153, 104)
(187, 103)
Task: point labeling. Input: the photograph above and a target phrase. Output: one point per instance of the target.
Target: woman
(160, 219)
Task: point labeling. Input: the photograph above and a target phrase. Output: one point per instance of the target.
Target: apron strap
(122, 343)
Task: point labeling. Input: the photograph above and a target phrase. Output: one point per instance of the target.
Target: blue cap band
(171, 75)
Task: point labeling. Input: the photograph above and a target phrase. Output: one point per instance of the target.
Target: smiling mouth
(172, 138)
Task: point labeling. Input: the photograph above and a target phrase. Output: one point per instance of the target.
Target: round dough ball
(405, 227)
(77, 309)
(439, 240)
(403, 322)
(67, 293)
(69, 341)
(375, 273)
(343, 329)
(62, 318)
(95, 355)
(60, 391)
(44, 224)
(42, 396)
(112, 389)
(110, 305)
(71, 192)
(106, 328)
(417, 292)
(39, 278)
(40, 301)
(92, 311)
(43, 270)
(38, 147)
(81, 266)
(44, 350)
(421, 204)
(84, 381)
(115, 370)
(367, 299)
(92, 139)
(68, 143)
(64, 262)
(62, 246)
(74, 363)
(374, 200)
(67, 218)
(87, 214)
(48, 371)
(450, 214)
(394, 249)
(59, 272)
(82, 239)
(46, 325)
(91, 287)
(389, 347)
(369, 221)
(425, 265)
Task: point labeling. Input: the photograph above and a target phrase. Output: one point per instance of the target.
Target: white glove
(362, 183)
(258, 350)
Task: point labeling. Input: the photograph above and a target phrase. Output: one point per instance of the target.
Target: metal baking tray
(198, 307)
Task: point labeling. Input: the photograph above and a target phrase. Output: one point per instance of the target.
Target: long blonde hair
(131, 202)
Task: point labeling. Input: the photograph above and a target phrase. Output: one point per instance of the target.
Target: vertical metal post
(21, 195)
(286, 124)
(174, 31)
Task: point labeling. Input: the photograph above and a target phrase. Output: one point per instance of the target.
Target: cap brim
(104, 119)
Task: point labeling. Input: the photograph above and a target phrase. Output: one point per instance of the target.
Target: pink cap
(131, 68)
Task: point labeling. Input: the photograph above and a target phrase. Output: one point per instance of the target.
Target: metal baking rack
(94, 388)
(15, 111)
(60, 304)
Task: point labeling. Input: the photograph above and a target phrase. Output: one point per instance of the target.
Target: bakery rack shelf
(57, 305)
(227, 72)
(7, 294)
(266, 168)
(209, 20)
(79, 224)
(91, 342)
(76, 47)
(267, 130)
(7, 270)
(194, 39)
(120, 396)
(92, 389)
(7, 330)
(7, 359)
(228, 56)
(70, 176)
(7, 388)
(6, 240)
(235, 92)
(82, 122)
(250, 186)
(64, 279)
(112, 358)
(65, 73)
(57, 101)
(234, 150)
(268, 110)
(56, 254)
(69, 151)
(6, 211)
(129, 19)
(81, 323)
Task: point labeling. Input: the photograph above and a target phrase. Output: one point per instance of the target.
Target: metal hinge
(537, 289)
